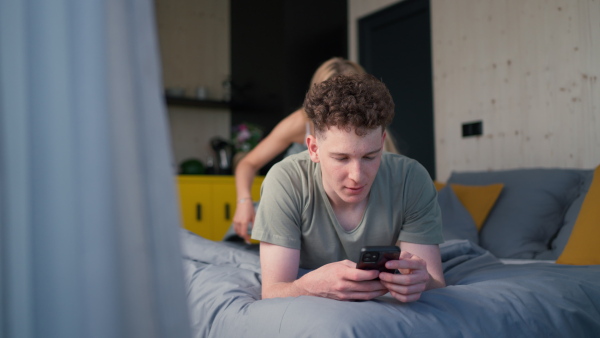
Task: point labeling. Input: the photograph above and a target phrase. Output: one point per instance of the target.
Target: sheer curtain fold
(88, 215)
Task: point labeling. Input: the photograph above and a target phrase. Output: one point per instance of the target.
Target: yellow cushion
(439, 185)
(583, 247)
(477, 199)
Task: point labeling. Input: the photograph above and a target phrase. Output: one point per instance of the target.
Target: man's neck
(350, 215)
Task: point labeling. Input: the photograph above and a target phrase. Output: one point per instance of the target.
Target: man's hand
(413, 280)
(244, 215)
(421, 269)
(342, 281)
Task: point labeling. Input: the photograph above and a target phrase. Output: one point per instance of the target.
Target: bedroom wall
(195, 47)
(527, 69)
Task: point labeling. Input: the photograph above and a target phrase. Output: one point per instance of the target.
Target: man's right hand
(244, 215)
(342, 281)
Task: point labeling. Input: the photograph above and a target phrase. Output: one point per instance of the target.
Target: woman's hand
(244, 215)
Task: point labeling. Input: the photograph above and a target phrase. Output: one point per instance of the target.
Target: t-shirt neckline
(319, 179)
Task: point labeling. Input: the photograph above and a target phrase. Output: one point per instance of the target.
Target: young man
(320, 207)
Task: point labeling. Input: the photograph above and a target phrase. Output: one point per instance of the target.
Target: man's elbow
(273, 291)
(266, 293)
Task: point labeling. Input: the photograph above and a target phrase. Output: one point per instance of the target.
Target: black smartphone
(375, 257)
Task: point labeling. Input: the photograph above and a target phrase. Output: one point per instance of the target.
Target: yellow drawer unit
(208, 203)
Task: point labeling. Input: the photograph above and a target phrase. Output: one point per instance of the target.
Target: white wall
(195, 51)
(527, 69)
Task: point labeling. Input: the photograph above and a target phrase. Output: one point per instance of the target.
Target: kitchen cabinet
(208, 203)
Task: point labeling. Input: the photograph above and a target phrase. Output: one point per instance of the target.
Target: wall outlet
(472, 129)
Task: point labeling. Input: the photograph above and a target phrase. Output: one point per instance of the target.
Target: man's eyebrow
(346, 154)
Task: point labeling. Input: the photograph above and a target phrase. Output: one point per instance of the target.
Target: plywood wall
(529, 70)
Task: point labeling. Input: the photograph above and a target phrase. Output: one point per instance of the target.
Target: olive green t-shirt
(294, 210)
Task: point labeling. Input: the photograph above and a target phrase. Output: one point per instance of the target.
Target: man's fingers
(406, 298)
(419, 276)
(364, 295)
(362, 275)
(360, 290)
(366, 286)
(404, 289)
(413, 263)
(358, 275)
(348, 263)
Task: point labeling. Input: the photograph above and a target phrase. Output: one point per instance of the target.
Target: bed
(507, 291)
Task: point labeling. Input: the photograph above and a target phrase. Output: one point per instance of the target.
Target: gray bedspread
(484, 298)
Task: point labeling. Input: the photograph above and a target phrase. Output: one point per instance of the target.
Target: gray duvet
(484, 298)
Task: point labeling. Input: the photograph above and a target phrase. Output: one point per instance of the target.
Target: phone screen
(375, 257)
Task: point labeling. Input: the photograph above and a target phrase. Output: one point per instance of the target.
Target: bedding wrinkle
(283, 316)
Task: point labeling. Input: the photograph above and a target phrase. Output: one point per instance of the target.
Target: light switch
(472, 129)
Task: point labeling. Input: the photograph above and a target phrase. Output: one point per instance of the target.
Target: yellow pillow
(439, 185)
(477, 199)
(583, 247)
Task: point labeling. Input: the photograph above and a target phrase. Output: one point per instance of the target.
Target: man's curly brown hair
(358, 101)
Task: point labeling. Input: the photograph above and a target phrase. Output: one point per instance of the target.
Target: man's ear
(313, 148)
(384, 135)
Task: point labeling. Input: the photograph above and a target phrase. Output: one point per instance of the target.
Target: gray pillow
(457, 222)
(528, 213)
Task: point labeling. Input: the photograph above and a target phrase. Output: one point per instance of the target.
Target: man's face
(349, 163)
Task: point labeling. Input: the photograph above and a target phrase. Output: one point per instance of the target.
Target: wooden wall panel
(527, 69)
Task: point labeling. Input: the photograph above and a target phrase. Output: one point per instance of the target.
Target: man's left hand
(410, 284)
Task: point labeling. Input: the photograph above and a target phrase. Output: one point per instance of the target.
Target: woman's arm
(291, 129)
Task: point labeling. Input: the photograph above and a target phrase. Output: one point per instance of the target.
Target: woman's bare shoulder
(292, 128)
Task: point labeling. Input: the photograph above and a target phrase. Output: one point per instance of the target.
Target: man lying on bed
(320, 207)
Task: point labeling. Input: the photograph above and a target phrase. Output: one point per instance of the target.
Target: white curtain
(88, 215)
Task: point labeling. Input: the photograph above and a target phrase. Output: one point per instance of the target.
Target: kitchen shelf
(191, 102)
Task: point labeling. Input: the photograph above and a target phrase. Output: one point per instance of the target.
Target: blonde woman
(291, 131)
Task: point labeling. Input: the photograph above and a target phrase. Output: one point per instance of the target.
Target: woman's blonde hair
(389, 144)
(335, 66)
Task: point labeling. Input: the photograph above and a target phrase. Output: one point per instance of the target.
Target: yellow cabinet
(208, 203)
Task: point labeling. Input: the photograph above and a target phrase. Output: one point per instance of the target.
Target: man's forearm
(283, 289)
